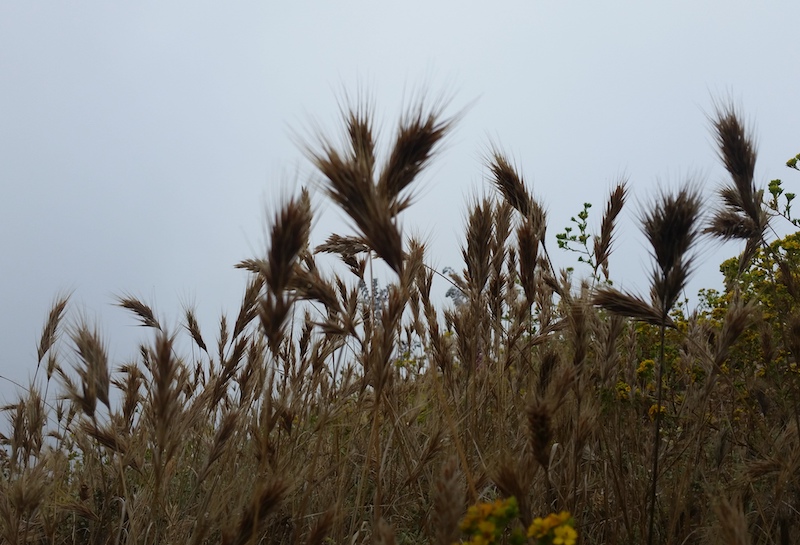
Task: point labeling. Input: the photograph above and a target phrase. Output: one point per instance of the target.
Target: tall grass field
(534, 405)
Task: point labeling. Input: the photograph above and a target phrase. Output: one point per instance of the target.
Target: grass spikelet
(449, 499)
(479, 238)
(741, 214)
(247, 310)
(347, 247)
(372, 204)
(24, 497)
(130, 386)
(289, 235)
(737, 152)
(416, 140)
(193, 328)
(105, 436)
(628, 305)
(547, 365)
(94, 367)
(510, 184)
(513, 484)
(356, 194)
(362, 143)
(540, 432)
(672, 227)
(729, 225)
(579, 326)
(737, 319)
(164, 405)
(322, 526)
(226, 429)
(310, 286)
(732, 522)
(603, 244)
(50, 330)
(528, 245)
(145, 314)
(251, 522)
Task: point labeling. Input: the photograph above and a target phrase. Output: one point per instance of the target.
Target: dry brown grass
(320, 415)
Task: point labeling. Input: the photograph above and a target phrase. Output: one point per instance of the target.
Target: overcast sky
(143, 144)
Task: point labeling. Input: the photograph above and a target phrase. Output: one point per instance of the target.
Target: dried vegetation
(321, 415)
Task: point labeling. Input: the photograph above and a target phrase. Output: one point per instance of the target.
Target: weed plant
(328, 413)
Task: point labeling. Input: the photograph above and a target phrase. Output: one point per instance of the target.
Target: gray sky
(142, 144)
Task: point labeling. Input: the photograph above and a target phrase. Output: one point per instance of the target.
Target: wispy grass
(326, 413)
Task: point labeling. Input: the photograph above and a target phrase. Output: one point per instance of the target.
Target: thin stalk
(657, 434)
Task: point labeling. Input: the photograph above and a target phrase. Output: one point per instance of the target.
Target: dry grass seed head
(93, 370)
(501, 218)
(547, 365)
(359, 131)
(671, 226)
(344, 246)
(322, 527)
(27, 492)
(510, 184)
(737, 318)
(142, 311)
(373, 206)
(248, 309)
(737, 151)
(630, 306)
(165, 404)
(513, 482)
(603, 244)
(580, 330)
(733, 527)
(131, 391)
(265, 500)
(289, 236)
(193, 328)
(449, 498)
(105, 436)
(414, 265)
(225, 431)
(416, 141)
(611, 329)
(310, 286)
(540, 431)
(528, 244)
(50, 330)
(729, 225)
(478, 251)
(741, 215)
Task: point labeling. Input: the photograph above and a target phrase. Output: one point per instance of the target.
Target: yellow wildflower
(623, 390)
(645, 367)
(654, 409)
(565, 535)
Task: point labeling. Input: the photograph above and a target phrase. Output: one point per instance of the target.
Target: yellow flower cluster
(485, 522)
(645, 367)
(623, 390)
(554, 529)
(655, 409)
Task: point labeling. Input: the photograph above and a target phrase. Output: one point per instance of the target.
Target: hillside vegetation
(537, 407)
